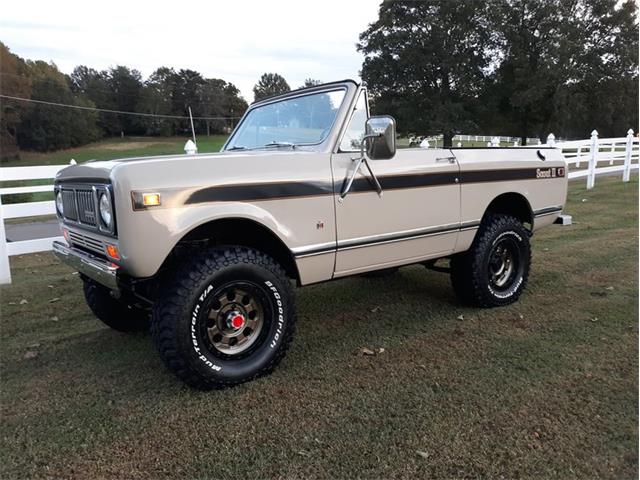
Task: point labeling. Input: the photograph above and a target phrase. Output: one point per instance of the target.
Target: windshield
(296, 121)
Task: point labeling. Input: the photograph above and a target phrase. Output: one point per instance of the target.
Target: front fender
(147, 237)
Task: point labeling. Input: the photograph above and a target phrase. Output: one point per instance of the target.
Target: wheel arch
(514, 204)
(240, 231)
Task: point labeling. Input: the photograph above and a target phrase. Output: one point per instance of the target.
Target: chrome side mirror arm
(360, 160)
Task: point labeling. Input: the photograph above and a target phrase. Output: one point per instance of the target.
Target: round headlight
(59, 204)
(105, 210)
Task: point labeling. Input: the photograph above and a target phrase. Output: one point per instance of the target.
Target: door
(417, 217)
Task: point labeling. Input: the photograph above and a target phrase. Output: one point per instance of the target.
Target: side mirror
(380, 137)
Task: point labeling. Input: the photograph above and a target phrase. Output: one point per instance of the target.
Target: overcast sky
(235, 40)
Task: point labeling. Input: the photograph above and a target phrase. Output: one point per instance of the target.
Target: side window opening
(356, 129)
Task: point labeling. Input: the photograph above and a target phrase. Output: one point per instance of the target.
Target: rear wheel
(228, 317)
(495, 270)
(114, 312)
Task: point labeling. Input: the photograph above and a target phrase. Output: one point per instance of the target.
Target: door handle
(446, 159)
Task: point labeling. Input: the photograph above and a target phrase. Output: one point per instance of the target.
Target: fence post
(578, 156)
(551, 140)
(593, 160)
(627, 156)
(613, 151)
(5, 271)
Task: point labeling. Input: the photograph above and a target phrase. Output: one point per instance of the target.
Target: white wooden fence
(492, 139)
(21, 210)
(621, 155)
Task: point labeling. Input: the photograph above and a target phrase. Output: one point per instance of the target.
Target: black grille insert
(86, 207)
(69, 204)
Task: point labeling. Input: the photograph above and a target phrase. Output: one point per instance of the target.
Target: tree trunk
(523, 140)
(447, 139)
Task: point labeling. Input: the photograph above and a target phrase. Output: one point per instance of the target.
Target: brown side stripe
(260, 191)
(272, 191)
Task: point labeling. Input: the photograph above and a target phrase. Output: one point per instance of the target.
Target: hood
(99, 171)
(167, 168)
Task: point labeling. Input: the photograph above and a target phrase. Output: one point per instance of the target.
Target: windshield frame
(333, 87)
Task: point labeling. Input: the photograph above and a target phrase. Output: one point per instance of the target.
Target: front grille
(80, 208)
(83, 241)
(86, 207)
(69, 204)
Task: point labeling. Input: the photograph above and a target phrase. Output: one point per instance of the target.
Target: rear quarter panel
(487, 173)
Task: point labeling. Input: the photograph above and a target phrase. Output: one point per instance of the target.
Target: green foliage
(34, 126)
(568, 67)
(426, 61)
(310, 82)
(268, 85)
(15, 82)
(49, 127)
(516, 67)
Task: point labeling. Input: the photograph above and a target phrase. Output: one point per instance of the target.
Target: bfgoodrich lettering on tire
(228, 317)
(494, 271)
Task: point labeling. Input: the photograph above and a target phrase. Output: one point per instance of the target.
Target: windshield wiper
(268, 145)
(279, 144)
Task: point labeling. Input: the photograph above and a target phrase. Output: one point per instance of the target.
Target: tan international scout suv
(204, 248)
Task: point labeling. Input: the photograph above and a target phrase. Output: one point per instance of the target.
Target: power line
(120, 112)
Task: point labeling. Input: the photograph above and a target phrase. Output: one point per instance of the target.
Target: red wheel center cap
(237, 321)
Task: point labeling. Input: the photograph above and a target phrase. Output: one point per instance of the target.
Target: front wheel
(228, 317)
(494, 271)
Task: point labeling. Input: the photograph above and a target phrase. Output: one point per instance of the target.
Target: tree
(426, 63)
(157, 99)
(221, 99)
(14, 82)
(310, 82)
(568, 67)
(50, 127)
(270, 84)
(125, 88)
(95, 86)
(188, 93)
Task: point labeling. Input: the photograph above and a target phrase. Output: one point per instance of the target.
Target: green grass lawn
(545, 388)
(117, 148)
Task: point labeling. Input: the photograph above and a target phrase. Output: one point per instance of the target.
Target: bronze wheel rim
(235, 319)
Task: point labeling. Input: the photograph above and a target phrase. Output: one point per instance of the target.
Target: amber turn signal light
(150, 199)
(112, 251)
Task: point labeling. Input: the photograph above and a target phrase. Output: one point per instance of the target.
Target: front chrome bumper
(97, 269)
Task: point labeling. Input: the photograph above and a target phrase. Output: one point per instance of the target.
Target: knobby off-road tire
(495, 270)
(112, 311)
(227, 317)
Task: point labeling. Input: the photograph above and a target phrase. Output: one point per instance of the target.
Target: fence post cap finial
(630, 132)
(594, 133)
(190, 148)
